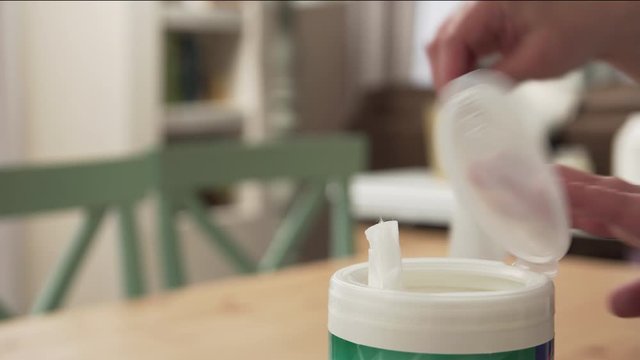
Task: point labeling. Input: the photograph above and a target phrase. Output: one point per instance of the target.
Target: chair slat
(168, 246)
(293, 228)
(4, 311)
(61, 278)
(130, 253)
(218, 237)
(341, 220)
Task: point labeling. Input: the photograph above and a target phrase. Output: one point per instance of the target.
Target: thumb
(625, 301)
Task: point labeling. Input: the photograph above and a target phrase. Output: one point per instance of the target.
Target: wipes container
(454, 308)
(449, 309)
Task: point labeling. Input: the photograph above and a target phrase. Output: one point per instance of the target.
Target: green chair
(322, 164)
(95, 187)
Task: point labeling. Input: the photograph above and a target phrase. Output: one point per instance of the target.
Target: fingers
(592, 226)
(603, 206)
(597, 202)
(608, 207)
(599, 210)
(523, 60)
(484, 28)
(472, 32)
(451, 60)
(569, 175)
(535, 56)
(581, 204)
(585, 191)
(625, 301)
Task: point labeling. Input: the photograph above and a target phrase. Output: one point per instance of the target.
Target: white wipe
(385, 261)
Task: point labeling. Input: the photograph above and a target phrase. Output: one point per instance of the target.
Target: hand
(607, 207)
(537, 39)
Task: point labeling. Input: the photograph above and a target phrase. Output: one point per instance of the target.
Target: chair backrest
(317, 161)
(187, 166)
(31, 189)
(94, 187)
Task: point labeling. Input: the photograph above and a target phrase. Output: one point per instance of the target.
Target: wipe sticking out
(385, 261)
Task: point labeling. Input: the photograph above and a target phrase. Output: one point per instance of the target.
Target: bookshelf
(213, 75)
(213, 68)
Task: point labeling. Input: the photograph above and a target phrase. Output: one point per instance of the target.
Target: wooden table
(283, 316)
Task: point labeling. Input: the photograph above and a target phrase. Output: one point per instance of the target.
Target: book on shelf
(173, 89)
(188, 72)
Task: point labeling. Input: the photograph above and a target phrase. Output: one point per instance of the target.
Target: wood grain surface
(283, 316)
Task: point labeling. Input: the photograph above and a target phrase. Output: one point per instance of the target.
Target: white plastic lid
(498, 170)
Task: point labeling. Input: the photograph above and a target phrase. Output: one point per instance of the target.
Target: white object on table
(410, 195)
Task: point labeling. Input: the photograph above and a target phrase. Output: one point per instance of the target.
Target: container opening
(435, 281)
(456, 282)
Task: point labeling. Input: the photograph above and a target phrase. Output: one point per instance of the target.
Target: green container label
(345, 350)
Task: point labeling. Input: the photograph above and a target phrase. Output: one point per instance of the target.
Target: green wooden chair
(95, 187)
(317, 162)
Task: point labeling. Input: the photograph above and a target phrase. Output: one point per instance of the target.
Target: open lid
(499, 172)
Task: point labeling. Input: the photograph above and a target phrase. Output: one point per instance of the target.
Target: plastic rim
(499, 171)
(504, 309)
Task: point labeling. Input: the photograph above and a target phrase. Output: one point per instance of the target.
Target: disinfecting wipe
(385, 261)
(463, 308)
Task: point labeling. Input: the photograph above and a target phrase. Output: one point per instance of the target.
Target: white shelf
(206, 20)
(201, 116)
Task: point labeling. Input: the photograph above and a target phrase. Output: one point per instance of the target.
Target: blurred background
(87, 81)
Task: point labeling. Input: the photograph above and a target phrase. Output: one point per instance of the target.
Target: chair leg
(4, 311)
(341, 221)
(293, 227)
(59, 281)
(219, 237)
(130, 253)
(169, 247)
